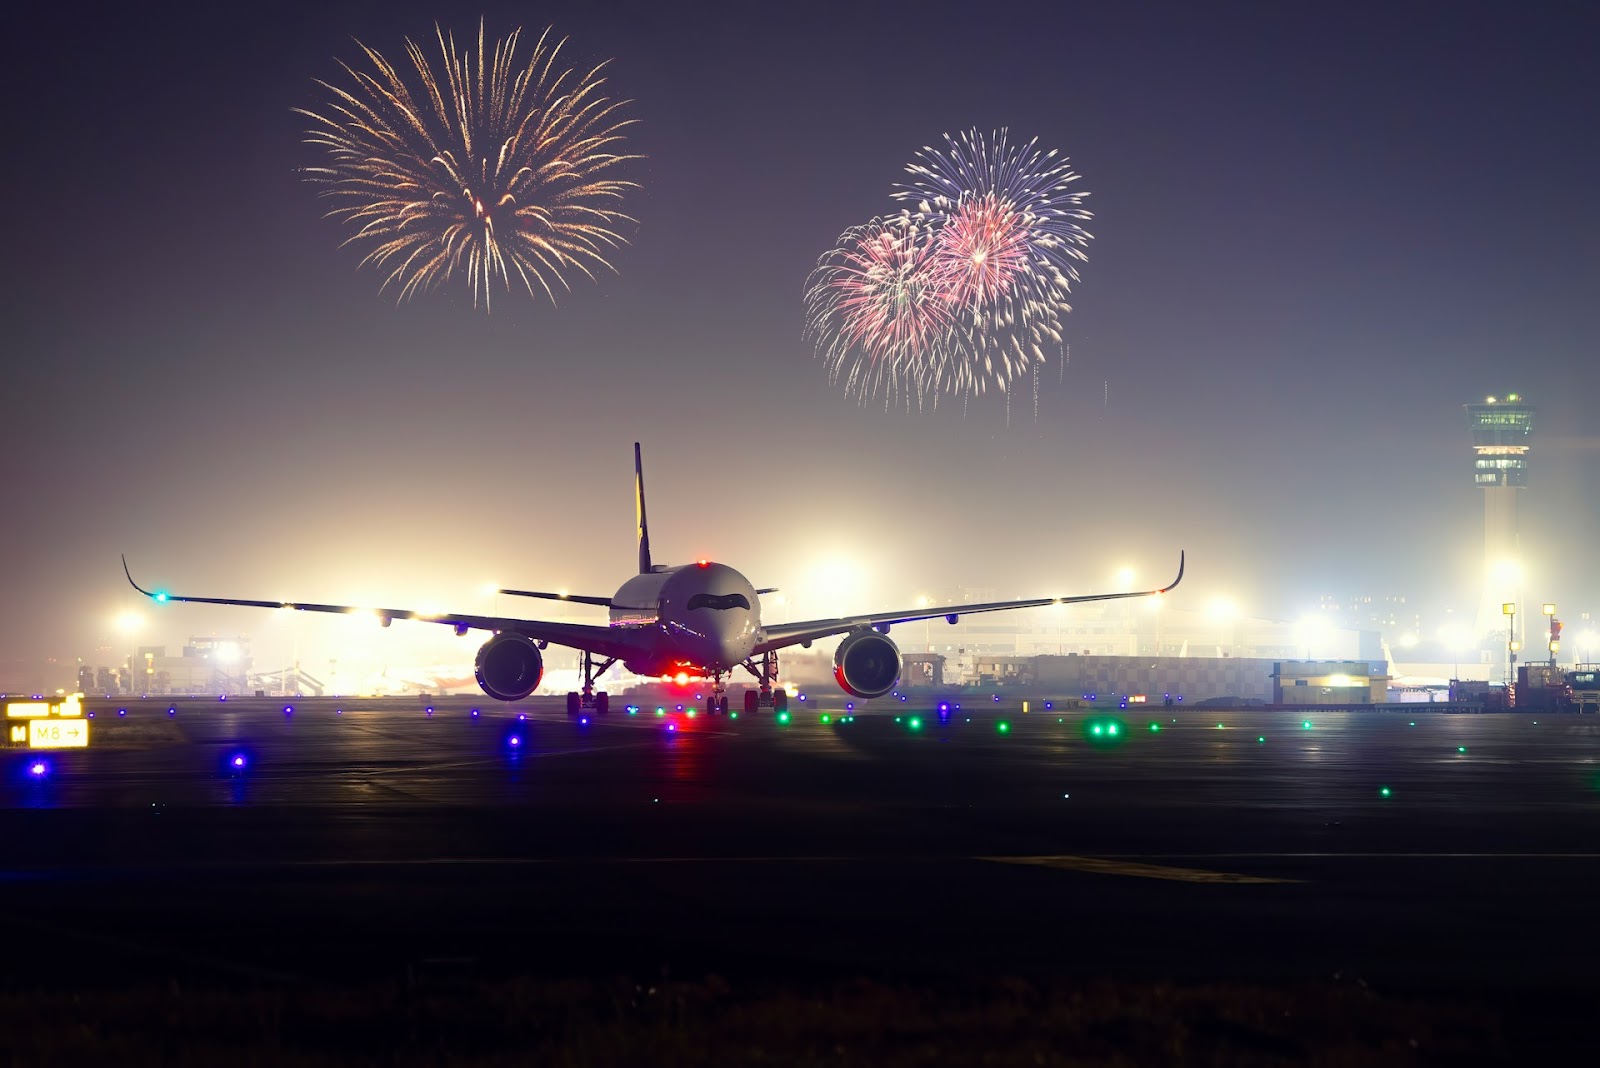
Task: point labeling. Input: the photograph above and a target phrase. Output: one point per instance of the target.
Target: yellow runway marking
(1100, 866)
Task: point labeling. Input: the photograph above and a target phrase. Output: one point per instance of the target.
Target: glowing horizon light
(489, 171)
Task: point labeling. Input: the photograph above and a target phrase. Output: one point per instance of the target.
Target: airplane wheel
(780, 700)
(713, 705)
(574, 705)
(752, 702)
(602, 703)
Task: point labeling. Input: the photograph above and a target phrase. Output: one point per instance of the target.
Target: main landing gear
(766, 697)
(600, 702)
(754, 700)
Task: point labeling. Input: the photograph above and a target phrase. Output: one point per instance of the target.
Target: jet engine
(867, 664)
(509, 667)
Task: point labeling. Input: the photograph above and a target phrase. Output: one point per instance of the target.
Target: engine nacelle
(509, 667)
(867, 664)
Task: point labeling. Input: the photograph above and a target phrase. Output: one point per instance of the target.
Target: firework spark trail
(494, 171)
(965, 289)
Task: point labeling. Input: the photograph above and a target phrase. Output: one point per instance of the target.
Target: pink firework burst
(982, 251)
(877, 308)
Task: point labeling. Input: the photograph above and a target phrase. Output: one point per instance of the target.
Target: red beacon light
(702, 563)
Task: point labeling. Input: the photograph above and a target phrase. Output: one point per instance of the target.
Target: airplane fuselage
(700, 619)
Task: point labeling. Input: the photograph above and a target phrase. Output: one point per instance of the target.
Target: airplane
(700, 620)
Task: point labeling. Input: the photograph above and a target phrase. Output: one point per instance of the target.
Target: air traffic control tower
(1501, 431)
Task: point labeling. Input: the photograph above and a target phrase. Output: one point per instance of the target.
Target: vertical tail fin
(638, 505)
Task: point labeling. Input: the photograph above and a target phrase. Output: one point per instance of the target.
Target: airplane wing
(602, 640)
(786, 634)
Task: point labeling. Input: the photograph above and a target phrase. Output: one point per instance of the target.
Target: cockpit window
(722, 602)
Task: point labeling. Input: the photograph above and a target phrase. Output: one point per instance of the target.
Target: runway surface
(1412, 853)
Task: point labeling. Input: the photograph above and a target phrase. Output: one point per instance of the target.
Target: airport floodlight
(1508, 609)
(1516, 646)
(1506, 570)
(1222, 608)
(1549, 608)
(128, 622)
(1125, 577)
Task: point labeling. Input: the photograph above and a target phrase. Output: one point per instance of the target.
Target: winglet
(132, 583)
(638, 505)
(1177, 580)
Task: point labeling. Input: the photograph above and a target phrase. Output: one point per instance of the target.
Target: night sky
(1319, 230)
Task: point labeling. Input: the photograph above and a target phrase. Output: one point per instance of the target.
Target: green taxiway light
(1219, 726)
(1461, 749)
(1385, 792)
(1003, 727)
(1261, 738)
(1155, 727)
(691, 713)
(783, 717)
(1413, 723)
(661, 711)
(1305, 725)
(915, 723)
(733, 715)
(1096, 729)
(827, 718)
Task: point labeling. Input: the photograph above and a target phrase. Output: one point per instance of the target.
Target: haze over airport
(1317, 235)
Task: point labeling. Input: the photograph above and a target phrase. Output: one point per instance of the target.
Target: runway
(1416, 853)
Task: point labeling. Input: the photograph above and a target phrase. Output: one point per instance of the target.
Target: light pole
(129, 624)
(1555, 630)
(1509, 610)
